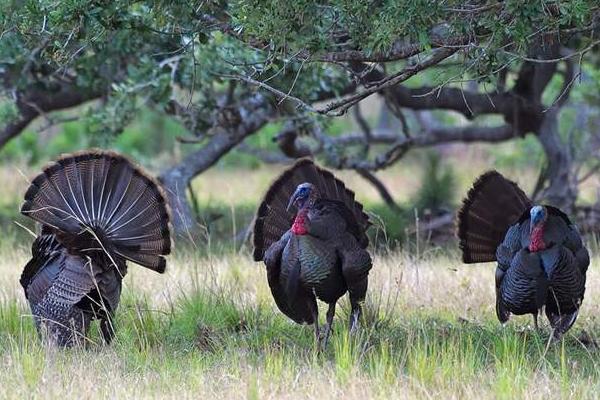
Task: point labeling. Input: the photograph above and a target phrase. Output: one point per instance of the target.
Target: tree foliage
(225, 69)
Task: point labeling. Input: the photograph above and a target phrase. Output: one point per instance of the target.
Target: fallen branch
(433, 224)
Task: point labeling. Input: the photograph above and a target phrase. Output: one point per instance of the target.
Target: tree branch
(400, 50)
(465, 134)
(569, 77)
(380, 187)
(340, 107)
(254, 113)
(32, 102)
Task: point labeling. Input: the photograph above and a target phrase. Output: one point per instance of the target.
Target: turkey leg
(315, 313)
(329, 324)
(357, 292)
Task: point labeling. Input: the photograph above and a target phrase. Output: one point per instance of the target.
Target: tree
(228, 68)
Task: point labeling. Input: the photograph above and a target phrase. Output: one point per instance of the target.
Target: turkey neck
(536, 239)
(299, 227)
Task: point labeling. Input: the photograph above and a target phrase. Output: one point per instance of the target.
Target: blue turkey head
(538, 215)
(305, 192)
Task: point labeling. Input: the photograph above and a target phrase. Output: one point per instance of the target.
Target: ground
(208, 327)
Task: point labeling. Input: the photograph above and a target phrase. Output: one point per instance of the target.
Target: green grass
(209, 328)
(215, 332)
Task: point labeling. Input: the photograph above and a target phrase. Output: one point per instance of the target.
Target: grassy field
(208, 327)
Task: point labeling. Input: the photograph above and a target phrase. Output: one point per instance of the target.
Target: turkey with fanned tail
(311, 234)
(542, 261)
(97, 210)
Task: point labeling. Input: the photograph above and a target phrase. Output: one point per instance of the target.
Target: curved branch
(468, 103)
(380, 187)
(400, 146)
(33, 102)
(569, 77)
(254, 113)
(340, 107)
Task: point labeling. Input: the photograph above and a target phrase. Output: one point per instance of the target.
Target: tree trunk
(175, 184)
(562, 189)
(250, 115)
(177, 178)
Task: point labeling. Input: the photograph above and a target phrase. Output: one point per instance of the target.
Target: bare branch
(465, 134)
(399, 146)
(400, 50)
(340, 107)
(569, 78)
(381, 161)
(380, 187)
(278, 93)
(396, 110)
(287, 140)
(33, 102)
(593, 170)
(50, 122)
(556, 59)
(364, 126)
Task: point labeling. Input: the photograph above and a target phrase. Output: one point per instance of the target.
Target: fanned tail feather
(493, 204)
(273, 220)
(98, 200)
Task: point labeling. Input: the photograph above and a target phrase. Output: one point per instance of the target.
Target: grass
(208, 327)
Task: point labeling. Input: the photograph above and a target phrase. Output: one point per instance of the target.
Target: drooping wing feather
(490, 208)
(43, 250)
(273, 220)
(53, 292)
(98, 200)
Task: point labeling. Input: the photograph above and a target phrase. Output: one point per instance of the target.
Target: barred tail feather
(100, 200)
(273, 220)
(493, 204)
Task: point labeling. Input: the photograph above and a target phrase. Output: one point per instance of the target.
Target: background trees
(446, 71)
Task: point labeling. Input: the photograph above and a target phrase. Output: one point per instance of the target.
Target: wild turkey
(541, 258)
(318, 251)
(97, 210)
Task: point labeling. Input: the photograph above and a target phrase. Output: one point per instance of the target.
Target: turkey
(97, 211)
(311, 234)
(542, 261)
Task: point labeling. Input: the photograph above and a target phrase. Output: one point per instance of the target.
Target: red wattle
(536, 239)
(299, 226)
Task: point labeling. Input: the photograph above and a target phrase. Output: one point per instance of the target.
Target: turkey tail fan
(493, 204)
(99, 201)
(272, 218)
